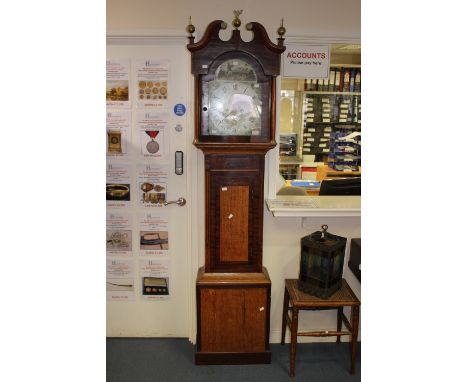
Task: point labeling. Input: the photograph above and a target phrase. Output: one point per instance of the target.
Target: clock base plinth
(233, 318)
(245, 358)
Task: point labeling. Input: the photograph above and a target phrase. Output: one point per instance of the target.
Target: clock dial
(233, 101)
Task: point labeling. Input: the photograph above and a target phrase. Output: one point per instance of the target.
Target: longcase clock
(235, 97)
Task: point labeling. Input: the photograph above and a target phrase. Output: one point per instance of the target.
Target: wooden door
(234, 223)
(233, 319)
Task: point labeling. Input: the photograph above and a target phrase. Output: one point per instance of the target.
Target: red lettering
(307, 55)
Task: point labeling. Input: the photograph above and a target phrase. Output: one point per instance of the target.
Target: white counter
(304, 206)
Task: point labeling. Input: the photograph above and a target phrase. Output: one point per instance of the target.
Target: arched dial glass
(233, 101)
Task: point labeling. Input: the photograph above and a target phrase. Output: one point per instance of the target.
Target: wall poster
(151, 83)
(118, 178)
(153, 231)
(154, 278)
(118, 134)
(153, 134)
(117, 83)
(152, 185)
(118, 233)
(120, 285)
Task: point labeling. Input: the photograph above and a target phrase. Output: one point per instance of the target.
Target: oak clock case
(234, 127)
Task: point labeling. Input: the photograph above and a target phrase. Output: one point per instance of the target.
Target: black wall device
(179, 162)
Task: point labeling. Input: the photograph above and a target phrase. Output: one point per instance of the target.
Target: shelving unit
(323, 116)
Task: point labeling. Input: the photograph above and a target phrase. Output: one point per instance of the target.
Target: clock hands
(233, 110)
(224, 118)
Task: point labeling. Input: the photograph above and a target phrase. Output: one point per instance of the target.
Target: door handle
(181, 202)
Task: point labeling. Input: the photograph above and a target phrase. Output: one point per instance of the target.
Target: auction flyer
(118, 233)
(154, 275)
(117, 83)
(120, 280)
(118, 177)
(152, 185)
(151, 83)
(153, 134)
(153, 233)
(119, 135)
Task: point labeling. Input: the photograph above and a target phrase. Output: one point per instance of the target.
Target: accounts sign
(306, 61)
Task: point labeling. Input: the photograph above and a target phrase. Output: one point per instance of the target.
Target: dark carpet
(167, 360)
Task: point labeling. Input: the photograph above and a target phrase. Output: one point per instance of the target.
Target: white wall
(333, 19)
(329, 18)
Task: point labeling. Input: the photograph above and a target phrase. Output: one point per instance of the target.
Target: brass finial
(190, 28)
(281, 30)
(236, 22)
(324, 232)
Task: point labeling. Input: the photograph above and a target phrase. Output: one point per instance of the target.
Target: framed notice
(119, 233)
(151, 83)
(118, 177)
(153, 234)
(120, 280)
(154, 279)
(153, 137)
(117, 83)
(118, 134)
(152, 185)
(306, 61)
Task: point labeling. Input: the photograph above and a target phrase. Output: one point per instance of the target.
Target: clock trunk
(234, 212)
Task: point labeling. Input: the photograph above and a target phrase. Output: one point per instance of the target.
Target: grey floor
(154, 359)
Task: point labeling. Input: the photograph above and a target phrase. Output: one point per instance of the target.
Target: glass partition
(320, 125)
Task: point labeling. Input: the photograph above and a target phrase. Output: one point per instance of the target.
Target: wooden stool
(300, 300)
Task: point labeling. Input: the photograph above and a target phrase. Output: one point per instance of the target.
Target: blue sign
(179, 109)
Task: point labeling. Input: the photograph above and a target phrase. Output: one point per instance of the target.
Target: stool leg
(292, 359)
(339, 323)
(285, 315)
(355, 329)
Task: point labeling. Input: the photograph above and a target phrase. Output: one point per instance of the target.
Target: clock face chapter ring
(233, 100)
